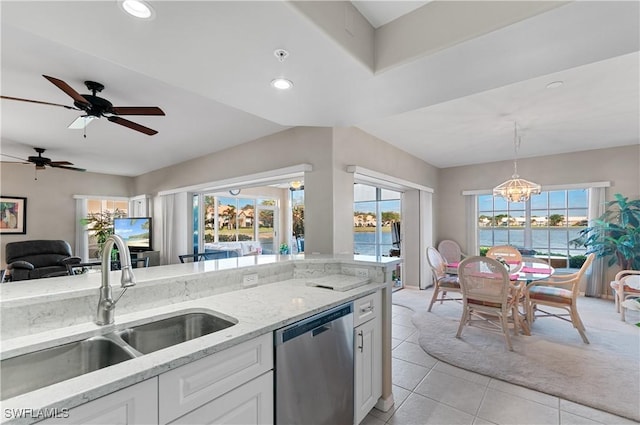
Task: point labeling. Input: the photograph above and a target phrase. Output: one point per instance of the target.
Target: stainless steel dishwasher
(314, 370)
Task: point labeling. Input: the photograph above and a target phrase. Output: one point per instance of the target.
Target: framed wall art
(13, 215)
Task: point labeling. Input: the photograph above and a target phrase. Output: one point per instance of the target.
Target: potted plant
(616, 233)
(101, 225)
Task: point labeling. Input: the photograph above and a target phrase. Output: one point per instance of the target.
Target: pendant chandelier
(516, 189)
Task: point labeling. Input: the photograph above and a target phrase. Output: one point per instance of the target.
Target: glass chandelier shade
(516, 189)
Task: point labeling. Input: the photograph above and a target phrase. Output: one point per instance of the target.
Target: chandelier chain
(516, 143)
(516, 189)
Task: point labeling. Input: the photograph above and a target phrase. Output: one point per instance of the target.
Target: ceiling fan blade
(52, 165)
(58, 163)
(13, 162)
(132, 125)
(137, 110)
(15, 157)
(38, 101)
(68, 90)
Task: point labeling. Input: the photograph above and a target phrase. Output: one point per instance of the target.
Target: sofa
(36, 259)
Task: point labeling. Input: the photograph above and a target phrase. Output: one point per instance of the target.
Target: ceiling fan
(42, 162)
(96, 107)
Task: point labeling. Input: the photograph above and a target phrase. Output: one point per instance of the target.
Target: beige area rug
(604, 374)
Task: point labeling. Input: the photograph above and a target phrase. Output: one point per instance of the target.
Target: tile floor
(427, 391)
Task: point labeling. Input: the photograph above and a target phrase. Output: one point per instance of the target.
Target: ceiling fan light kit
(81, 122)
(516, 189)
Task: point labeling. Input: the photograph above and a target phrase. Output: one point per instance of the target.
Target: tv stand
(154, 257)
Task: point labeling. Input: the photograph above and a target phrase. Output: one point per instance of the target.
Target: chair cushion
(551, 294)
(51, 271)
(484, 303)
(614, 284)
(449, 282)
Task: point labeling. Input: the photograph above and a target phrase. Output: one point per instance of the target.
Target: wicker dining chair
(451, 251)
(487, 295)
(560, 291)
(507, 253)
(442, 282)
(622, 286)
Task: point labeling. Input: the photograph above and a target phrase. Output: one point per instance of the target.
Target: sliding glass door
(376, 214)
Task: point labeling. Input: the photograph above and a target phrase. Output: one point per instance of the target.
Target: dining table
(526, 273)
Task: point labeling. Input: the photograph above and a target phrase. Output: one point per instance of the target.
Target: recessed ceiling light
(282, 84)
(555, 84)
(137, 8)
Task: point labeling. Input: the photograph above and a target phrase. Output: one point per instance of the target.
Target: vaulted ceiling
(444, 81)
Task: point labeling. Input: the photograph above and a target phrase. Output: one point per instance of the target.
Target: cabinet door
(137, 404)
(190, 386)
(249, 404)
(368, 367)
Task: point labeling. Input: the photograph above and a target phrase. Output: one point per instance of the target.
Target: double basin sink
(39, 369)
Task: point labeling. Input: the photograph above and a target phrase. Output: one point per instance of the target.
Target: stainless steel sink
(39, 369)
(173, 330)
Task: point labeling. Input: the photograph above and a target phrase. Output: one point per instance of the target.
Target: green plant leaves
(616, 234)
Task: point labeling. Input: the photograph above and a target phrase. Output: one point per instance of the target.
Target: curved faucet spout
(106, 303)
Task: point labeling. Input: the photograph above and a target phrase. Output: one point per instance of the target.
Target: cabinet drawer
(249, 404)
(190, 386)
(366, 308)
(137, 404)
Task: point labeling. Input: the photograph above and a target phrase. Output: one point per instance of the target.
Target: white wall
(328, 188)
(355, 147)
(50, 203)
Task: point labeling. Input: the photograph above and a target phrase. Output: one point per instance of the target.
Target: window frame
(473, 219)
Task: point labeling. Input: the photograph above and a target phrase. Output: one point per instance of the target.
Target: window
(233, 219)
(297, 217)
(100, 215)
(266, 225)
(548, 225)
(374, 211)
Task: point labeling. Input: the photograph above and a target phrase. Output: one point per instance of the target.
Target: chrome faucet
(106, 304)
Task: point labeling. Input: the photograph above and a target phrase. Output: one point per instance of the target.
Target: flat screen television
(137, 232)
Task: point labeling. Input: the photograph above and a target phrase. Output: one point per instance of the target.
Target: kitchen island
(259, 294)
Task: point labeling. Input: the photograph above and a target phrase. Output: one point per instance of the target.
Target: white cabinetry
(186, 388)
(233, 386)
(137, 404)
(367, 354)
(249, 404)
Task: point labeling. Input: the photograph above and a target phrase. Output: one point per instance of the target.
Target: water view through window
(548, 225)
(374, 212)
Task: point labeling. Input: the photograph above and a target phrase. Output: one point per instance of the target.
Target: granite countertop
(258, 311)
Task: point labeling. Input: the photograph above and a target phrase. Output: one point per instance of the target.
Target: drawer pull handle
(366, 309)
